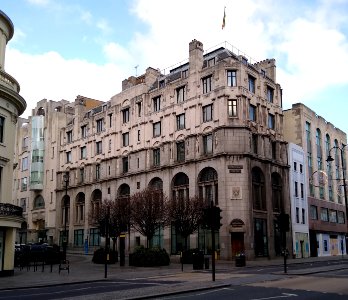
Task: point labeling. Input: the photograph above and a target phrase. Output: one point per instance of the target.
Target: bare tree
(186, 215)
(149, 208)
(118, 214)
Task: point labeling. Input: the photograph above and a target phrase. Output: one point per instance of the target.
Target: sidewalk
(83, 270)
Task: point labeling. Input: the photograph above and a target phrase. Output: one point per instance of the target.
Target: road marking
(284, 295)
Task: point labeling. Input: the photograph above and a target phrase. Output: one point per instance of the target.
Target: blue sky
(65, 48)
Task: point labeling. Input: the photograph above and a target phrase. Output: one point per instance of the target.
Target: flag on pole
(224, 19)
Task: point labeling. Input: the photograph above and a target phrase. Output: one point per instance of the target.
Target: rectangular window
(110, 145)
(139, 109)
(251, 81)
(254, 141)
(84, 131)
(232, 108)
(211, 62)
(271, 121)
(206, 84)
(252, 113)
(23, 204)
(302, 190)
(208, 144)
(69, 136)
(83, 152)
(138, 135)
(24, 184)
(68, 156)
(97, 172)
(82, 175)
(333, 216)
(180, 94)
(184, 74)
(25, 142)
(24, 163)
(324, 214)
(156, 129)
(78, 237)
(94, 237)
(303, 216)
(297, 215)
(162, 84)
(341, 218)
(125, 164)
(295, 166)
(274, 150)
(313, 212)
(156, 157)
(296, 188)
(270, 93)
(180, 151)
(180, 122)
(208, 113)
(156, 103)
(99, 147)
(110, 120)
(231, 78)
(301, 170)
(125, 115)
(100, 125)
(2, 129)
(125, 139)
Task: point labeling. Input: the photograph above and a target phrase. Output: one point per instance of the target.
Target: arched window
(156, 183)
(258, 189)
(40, 112)
(327, 144)
(124, 190)
(65, 209)
(277, 196)
(96, 202)
(80, 207)
(180, 187)
(39, 202)
(208, 185)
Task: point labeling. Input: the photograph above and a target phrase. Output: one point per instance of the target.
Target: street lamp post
(330, 159)
(65, 238)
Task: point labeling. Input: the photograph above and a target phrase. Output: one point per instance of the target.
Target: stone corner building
(211, 127)
(11, 106)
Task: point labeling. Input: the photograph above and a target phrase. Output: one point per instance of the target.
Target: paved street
(263, 278)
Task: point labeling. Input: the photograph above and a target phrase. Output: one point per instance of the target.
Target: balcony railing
(7, 209)
(10, 81)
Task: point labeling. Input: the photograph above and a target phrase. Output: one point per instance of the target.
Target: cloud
(104, 26)
(39, 2)
(53, 77)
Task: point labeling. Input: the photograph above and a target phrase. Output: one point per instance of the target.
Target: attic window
(211, 62)
(161, 84)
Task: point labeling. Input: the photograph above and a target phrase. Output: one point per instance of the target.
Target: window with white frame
(231, 78)
(24, 184)
(324, 214)
(24, 163)
(232, 107)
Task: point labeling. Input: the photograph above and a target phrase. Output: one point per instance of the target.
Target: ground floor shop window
(205, 240)
(157, 239)
(178, 242)
(78, 237)
(260, 237)
(94, 237)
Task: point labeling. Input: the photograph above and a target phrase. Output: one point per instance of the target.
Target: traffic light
(216, 217)
(211, 218)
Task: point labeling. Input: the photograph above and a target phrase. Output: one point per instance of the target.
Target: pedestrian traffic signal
(211, 218)
(216, 217)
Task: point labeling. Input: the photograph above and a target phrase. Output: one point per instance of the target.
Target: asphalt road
(254, 293)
